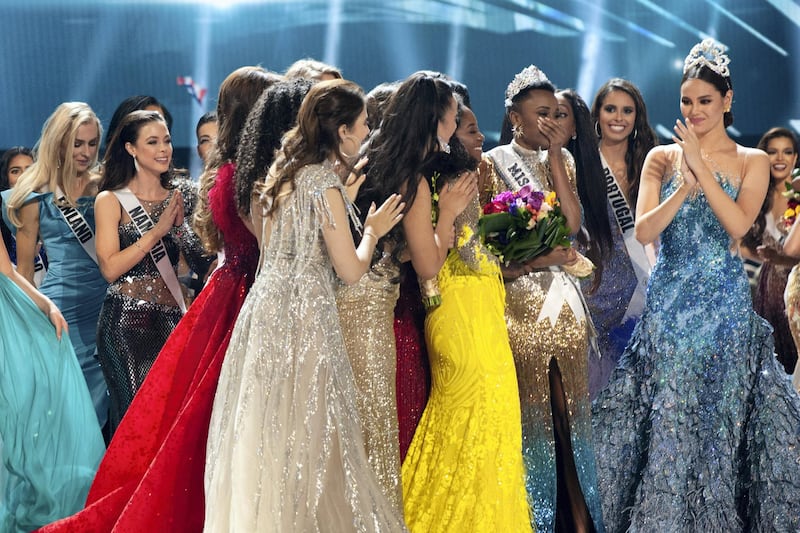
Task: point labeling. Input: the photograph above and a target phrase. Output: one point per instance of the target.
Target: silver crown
(530, 75)
(711, 54)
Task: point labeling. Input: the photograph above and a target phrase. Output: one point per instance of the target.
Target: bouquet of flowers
(793, 206)
(519, 226)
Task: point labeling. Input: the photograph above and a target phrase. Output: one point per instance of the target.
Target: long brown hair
(640, 141)
(237, 94)
(315, 138)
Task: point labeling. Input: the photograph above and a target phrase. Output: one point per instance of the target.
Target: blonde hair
(53, 165)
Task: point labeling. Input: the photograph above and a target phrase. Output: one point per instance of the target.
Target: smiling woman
(141, 234)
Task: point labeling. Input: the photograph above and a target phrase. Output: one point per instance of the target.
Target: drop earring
(517, 131)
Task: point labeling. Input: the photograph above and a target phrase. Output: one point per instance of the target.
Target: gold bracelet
(136, 244)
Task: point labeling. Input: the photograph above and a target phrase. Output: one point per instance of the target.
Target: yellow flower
(789, 213)
(551, 198)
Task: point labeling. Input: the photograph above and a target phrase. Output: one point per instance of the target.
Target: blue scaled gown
(699, 428)
(74, 283)
(50, 442)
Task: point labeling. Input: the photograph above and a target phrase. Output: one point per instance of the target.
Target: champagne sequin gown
(366, 313)
(699, 428)
(546, 320)
(464, 470)
(285, 449)
(791, 298)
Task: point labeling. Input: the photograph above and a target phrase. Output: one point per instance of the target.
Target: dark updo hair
(118, 164)
(273, 114)
(721, 83)
(135, 103)
(377, 101)
(505, 129)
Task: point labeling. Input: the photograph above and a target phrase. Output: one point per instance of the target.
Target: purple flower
(506, 197)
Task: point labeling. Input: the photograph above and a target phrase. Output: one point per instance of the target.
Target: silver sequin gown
(285, 450)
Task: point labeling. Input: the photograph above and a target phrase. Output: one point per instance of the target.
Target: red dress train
(151, 478)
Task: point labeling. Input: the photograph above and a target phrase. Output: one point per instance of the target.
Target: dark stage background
(101, 51)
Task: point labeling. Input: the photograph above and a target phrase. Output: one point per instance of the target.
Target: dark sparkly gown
(699, 428)
(139, 313)
(151, 478)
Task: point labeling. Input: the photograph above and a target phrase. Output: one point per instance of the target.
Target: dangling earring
(343, 152)
(574, 136)
(635, 133)
(135, 164)
(597, 129)
(517, 131)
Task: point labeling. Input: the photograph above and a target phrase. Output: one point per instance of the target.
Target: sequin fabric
(366, 313)
(413, 370)
(607, 307)
(285, 449)
(791, 299)
(139, 312)
(464, 471)
(535, 340)
(699, 429)
(772, 282)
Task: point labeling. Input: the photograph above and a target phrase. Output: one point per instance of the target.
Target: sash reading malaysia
(636, 252)
(563, 289)
(77, 224)
(158, 253)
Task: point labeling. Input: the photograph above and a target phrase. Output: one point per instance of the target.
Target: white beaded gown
(285, 449)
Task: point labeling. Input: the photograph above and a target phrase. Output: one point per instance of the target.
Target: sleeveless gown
(50, 442)
(699, 428)
(366, 313)
(139, 313)
(791, 298)
(151, 478)
(74, 283)
(464, 469)
(285, 449)
(547, 321)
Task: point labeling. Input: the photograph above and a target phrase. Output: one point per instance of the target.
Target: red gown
(151, 478)
(413, 378)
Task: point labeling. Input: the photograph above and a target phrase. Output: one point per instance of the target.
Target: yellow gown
(464, 469)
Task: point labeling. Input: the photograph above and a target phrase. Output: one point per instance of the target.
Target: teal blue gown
(49, 438)
(699, 427)
(74, 283)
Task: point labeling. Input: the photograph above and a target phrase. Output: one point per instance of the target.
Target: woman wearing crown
(699, 428)
(548, 325)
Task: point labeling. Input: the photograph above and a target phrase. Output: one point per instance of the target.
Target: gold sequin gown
(547, 319)
(285, 450)
(791, 297)
(366, 312)
(463, 471)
